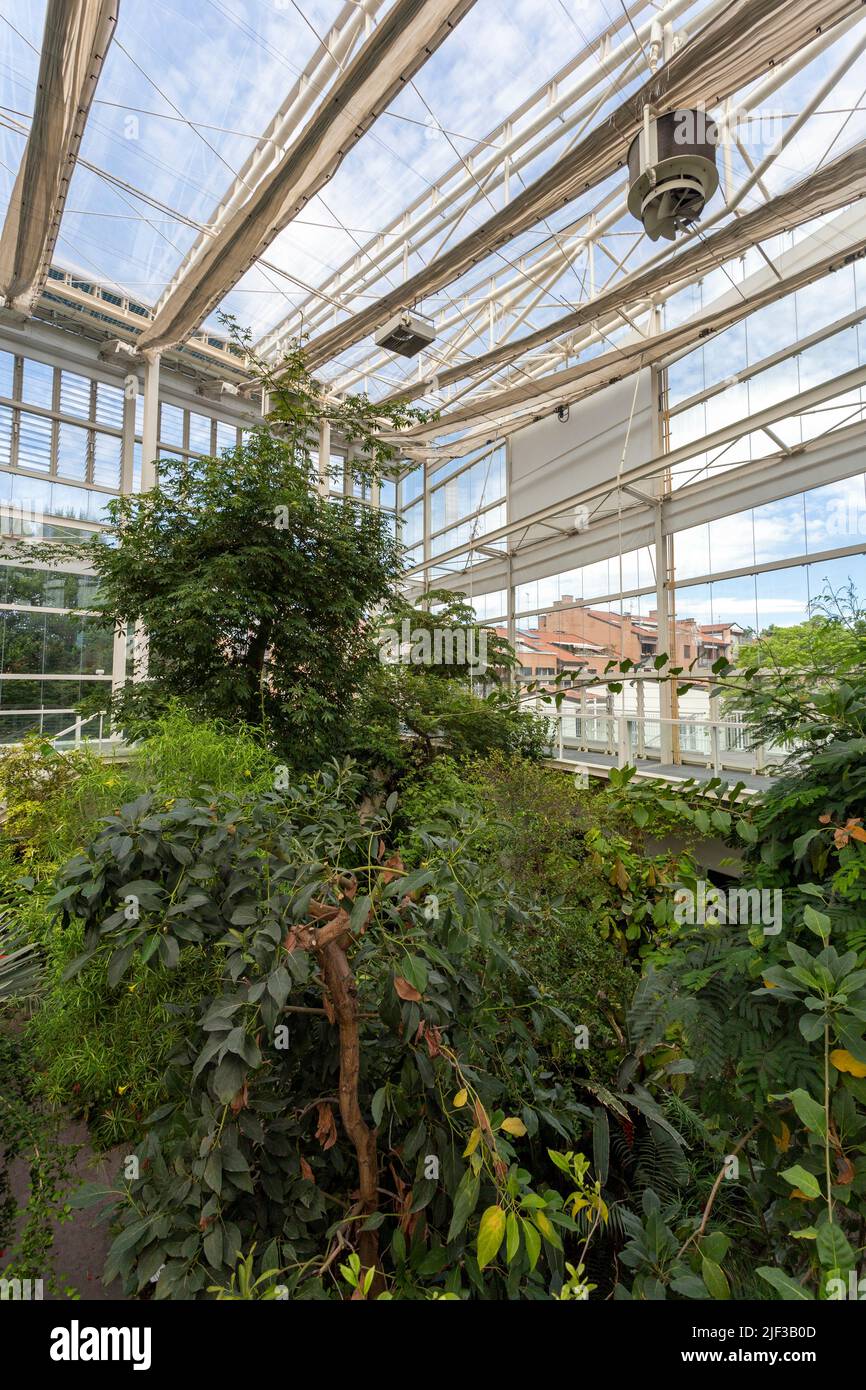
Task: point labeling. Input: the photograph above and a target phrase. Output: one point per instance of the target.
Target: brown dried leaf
(240, 1101)
(481, 1118)
(393, 867)
(845, 1171)
(326, 1129)
(405, 990)
(306, 1171)
(433, 1039)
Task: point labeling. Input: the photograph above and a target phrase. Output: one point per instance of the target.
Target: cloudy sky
(189, 84)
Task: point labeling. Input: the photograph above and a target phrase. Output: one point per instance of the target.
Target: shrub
(340, 976)
(102, 1049)
(405, 717)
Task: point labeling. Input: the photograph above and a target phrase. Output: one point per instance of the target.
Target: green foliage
(102, 1049)
(406, 716)
(770, 1033)
(183, 755)
(31, 1137)
(246, 1149)
(534, 832)
(33, 776)
(831, 640)
(445, 610)
(20, 974)
(252, 588)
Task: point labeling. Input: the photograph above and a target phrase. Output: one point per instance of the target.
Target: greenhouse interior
(433, 657)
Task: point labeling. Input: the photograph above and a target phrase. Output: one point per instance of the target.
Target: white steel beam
(74, 44)
(731, 50)
(836, 184)
(819, 462)
(731, 480)
(493, 161)
(337, 46)
(410, 32)
(533, 399)
(753, 100)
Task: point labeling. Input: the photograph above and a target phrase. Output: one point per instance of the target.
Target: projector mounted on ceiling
(407, 333)
(672, 171)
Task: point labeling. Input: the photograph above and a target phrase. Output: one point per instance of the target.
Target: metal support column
(324, 457)
(661, 485)
(150, 426)
(127, 461)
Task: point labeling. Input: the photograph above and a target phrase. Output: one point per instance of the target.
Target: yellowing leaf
(514, 1126)
(545, 1228)
(490, 1234)
(768, 984)
(473, 1142)
(460, 1099)
(803, 1196)
(783, 1140)
(843, 1061)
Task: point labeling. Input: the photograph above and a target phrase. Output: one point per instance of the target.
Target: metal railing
(627, 737)
(16, 724)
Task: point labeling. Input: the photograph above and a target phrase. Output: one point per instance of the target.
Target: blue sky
(227, 64)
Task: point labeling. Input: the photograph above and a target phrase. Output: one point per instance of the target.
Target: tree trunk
(255, 663)
(344, 997)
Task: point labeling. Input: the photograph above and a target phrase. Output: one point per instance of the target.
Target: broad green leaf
(805, 1181)
(818, 922)
(532, 1240)
(784, 1285)
(833, 1248)
(809, 1111)
(490, 1234)
(465, 1200)
(714, 1277)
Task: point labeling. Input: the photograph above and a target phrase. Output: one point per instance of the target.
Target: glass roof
(189, 86)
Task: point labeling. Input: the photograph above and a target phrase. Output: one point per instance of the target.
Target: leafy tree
(370, 1072)
(445, 636)
(252, 588)
(820, 641)
(406, 716)
(832, 639)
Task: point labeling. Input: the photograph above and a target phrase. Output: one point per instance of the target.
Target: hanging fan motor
(672, 171)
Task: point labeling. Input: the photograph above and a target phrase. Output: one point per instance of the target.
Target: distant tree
(831, 639)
